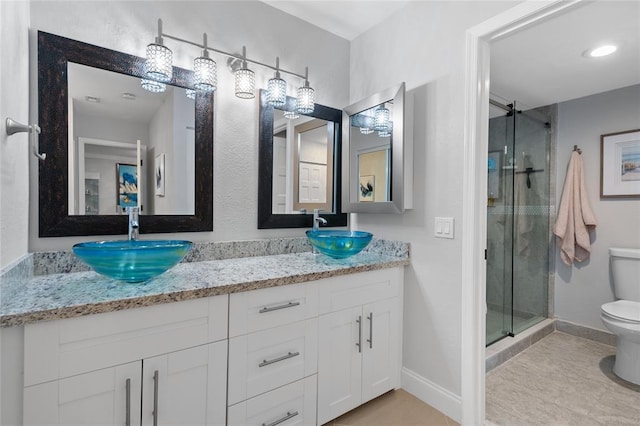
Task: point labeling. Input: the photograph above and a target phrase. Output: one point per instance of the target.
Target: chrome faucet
(134, 223)
(318, 220)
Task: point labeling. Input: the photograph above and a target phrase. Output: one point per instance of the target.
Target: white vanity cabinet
(157, 365)
(360, 330)
(273, 355)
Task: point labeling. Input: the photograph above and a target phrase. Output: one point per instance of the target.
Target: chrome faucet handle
(134, 222)
(317, 219)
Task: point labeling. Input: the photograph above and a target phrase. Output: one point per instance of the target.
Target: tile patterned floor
(395, 408)
(561, 380)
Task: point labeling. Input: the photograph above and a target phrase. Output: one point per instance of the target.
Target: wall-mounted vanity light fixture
(158, 70)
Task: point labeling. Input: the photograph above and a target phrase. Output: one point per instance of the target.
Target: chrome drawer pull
(359, 344)
(284, 419)
(282, 358)
(370, 339)
(276, 308)
(127, 420)
(156, 379)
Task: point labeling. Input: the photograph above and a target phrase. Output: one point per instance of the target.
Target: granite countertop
(67, 295)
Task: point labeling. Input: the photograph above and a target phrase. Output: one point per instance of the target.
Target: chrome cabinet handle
(127, 419)
(370, 339)
(359, 344)
(155, 398)
(282, 358)
(276, 308)
(284, 419)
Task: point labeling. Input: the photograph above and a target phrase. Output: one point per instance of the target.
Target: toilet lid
(624, 309)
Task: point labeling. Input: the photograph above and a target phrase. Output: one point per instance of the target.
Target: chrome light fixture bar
(158, 69)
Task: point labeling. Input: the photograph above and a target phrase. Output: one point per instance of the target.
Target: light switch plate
(443, 227)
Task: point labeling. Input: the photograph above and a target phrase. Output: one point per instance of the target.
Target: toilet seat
(623, 310)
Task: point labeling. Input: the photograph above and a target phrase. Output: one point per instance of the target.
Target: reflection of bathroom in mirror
(302, 164)
(374, 149)
(299, 168)
(108, 113)
(74, 122)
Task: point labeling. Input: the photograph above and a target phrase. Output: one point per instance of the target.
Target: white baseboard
(435, 395)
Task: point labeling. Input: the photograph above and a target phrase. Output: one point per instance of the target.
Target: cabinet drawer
(293, 404)
(64, 348)
(347, 291)
(261, 361)
(270, 307)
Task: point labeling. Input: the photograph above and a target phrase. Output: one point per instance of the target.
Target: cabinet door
(380, 352)
(339, 362)
(186, 387)
(110, 396)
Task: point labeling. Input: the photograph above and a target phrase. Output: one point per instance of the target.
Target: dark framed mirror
(299, 166)
(56, 216)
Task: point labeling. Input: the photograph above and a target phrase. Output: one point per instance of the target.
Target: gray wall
(424, 45)
(14, 150)
(267, 33)
(581, 290)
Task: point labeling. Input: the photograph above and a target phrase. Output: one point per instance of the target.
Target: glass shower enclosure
(518, 207)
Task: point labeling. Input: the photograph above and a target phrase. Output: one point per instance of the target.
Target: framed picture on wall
(367, 187)
(620, 164)
(127, 185)
(159, 175)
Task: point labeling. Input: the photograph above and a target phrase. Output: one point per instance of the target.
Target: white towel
(575, 218)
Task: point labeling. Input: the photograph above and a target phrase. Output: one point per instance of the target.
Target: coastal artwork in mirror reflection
(108, 113)
(370, 134)
(303, 169)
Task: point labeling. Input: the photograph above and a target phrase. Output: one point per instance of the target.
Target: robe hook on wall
(15, 127)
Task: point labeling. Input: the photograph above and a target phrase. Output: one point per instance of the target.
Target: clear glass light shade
(277, 92)
(381, 119)
(386, 133)
(158, 63)
(245, 83)
(191, 94)
(152, 85)
(305, 102)
(291, 115)
(204, 70)
(366, 130)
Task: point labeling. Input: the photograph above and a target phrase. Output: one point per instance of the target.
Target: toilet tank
(625, 266)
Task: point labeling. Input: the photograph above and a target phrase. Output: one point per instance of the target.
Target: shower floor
(499, 325)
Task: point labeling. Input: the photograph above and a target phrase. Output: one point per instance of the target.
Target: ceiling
(347, 19)
(539, 65)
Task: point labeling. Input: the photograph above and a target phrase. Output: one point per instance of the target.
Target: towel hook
(578, 150)
(15, 127)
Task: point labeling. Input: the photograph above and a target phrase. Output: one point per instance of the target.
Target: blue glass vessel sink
(132, 261)
(339, 244)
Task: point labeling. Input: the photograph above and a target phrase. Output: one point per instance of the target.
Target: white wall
(424, 44)
(581, 290)
(267, 33)
(14, 150)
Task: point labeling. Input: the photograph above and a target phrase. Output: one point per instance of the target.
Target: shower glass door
(517, 222)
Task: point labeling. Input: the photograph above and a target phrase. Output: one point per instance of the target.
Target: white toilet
(622, 317)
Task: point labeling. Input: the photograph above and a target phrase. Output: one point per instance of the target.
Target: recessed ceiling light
(129, 96)
(92, 99)
(600, 51)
